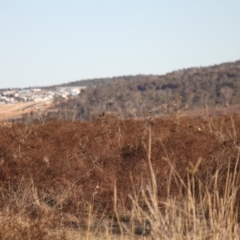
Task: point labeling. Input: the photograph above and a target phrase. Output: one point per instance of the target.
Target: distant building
(24, 91)
(69, 89)
(36, 90)
(74, 92)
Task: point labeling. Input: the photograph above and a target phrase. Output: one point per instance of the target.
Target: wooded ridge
(135, 96)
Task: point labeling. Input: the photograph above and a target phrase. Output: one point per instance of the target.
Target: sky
(51, 42)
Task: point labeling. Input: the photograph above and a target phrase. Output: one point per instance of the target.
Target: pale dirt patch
(16, 110)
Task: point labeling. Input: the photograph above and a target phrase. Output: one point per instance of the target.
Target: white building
(36, 90)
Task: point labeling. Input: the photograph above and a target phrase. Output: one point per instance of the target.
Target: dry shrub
(174, 179)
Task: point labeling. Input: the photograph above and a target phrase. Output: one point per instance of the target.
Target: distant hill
(192, 88)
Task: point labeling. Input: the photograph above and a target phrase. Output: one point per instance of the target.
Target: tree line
(135, 96)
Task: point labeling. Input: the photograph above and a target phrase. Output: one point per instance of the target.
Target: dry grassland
(163, 178)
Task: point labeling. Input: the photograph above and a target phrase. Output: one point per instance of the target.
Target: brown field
(16, 110)
(164, 178)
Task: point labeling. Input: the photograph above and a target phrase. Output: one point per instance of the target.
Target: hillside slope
(193, 88)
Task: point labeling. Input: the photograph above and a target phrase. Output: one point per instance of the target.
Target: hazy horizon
(47, 43)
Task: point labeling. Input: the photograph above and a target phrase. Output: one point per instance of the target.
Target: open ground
(16, 110)
(173, 177)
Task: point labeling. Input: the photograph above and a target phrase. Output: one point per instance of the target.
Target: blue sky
(54, 41)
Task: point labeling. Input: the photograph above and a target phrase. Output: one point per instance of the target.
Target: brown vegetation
(60, 175)
(134, 96)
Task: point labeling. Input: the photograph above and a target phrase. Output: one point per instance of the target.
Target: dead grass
(114, 178)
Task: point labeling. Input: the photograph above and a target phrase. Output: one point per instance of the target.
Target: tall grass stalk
(202, 212)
